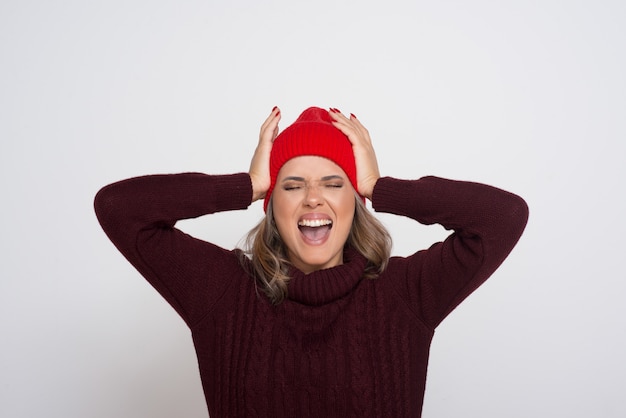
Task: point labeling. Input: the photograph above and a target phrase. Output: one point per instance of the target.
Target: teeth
(314, 223)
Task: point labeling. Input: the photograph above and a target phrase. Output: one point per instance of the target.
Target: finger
(272, 116)
(357, 123)
(353, 129)
(351, 122)
(362, 130)
(339, 120)
(336, 115)
(277, 116)
(269, 129)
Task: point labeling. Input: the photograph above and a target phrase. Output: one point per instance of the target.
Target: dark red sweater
(339, 346)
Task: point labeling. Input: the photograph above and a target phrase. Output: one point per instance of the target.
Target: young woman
(314, 319)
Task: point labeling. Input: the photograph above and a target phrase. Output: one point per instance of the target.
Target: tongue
(314, 234)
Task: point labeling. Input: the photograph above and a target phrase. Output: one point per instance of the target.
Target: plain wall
(528, 96)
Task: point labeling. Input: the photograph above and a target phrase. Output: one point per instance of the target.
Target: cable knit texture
(339, 345)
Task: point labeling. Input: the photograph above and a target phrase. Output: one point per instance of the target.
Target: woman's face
(313, 204)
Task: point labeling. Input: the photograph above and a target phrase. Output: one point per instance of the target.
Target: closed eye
(297, 183)
(333, 181)
(293, 183)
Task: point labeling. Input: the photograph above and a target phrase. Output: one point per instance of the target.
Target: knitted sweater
(339, 345)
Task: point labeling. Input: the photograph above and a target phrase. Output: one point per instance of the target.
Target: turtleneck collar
(324, 286)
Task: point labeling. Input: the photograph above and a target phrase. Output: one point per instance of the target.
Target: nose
(313, 196)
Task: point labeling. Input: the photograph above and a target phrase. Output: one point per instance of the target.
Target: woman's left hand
(366, 164)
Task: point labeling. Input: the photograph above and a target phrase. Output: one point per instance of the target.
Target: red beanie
(311, 134)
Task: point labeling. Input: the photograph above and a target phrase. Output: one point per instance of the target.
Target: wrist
(368, 190)
(258, 191)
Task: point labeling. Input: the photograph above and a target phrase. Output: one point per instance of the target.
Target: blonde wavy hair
(265, 255)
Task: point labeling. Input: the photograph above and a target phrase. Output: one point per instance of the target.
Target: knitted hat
(311, 134)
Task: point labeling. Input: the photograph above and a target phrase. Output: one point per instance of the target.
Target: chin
(312, 262)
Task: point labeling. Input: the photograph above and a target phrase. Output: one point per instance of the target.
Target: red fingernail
(352, 115)
(274, 108)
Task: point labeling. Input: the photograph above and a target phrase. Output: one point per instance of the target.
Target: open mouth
(315, 230)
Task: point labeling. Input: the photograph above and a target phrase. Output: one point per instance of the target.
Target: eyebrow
(325, 178)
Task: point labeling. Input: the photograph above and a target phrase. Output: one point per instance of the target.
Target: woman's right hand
(260, 164)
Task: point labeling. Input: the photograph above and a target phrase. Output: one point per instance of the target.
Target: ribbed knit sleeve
(487, 223)
(139, 216)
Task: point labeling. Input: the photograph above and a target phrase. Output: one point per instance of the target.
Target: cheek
(281, 214)
(347, 203)
(280, 205)
(345, 209)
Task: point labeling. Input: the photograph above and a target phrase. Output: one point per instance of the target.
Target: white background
(529, 96)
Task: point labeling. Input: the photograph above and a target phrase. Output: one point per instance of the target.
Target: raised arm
(487, 223)
(139, 216)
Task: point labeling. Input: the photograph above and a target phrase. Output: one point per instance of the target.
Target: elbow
(105, 204)
(101, 202)
(522, 210)
(518, 214)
